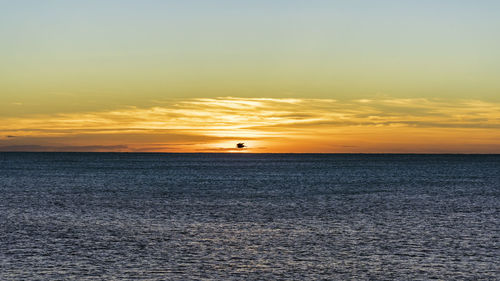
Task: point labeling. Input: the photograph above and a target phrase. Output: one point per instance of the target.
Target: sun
(242, 146)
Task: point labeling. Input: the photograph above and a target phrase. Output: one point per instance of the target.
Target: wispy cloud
(85, 148)
(366, 125)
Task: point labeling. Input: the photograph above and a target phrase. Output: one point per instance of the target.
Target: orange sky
(378, 125)
(281, 76)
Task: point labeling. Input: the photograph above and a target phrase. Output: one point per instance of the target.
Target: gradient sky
(282, 76)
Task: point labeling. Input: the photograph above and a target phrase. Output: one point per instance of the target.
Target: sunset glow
(280, 76)
(267, 125)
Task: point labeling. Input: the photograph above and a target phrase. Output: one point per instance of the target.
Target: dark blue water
(248, 216)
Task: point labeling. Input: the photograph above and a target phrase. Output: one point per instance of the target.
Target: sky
(281, 76)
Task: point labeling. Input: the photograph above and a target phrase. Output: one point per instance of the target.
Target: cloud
(214, 124)
(41, 148)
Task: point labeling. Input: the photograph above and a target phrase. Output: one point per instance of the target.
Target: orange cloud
(269, 125)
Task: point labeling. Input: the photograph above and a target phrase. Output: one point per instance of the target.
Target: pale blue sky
(106, 53)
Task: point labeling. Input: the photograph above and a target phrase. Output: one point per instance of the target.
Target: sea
(242, 216)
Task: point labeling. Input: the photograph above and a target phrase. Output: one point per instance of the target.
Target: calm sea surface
(114, 216)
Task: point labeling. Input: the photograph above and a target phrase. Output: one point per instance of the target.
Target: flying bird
(241, 145)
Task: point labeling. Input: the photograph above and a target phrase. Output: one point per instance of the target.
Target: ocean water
(119, 216)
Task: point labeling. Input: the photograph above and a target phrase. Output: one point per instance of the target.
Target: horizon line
(240, 153)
